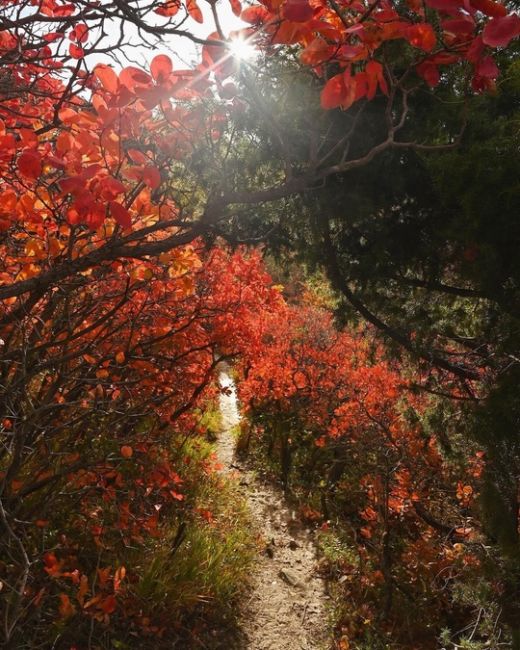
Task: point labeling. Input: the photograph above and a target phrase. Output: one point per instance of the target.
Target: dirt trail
(286, 609)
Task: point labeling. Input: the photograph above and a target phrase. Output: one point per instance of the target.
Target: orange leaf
(332, 93)
(340, 91)
(236, 7)
(42, 523)
(107, 77)
(344, 643)
(152, 177)
(161, 68)
(83, 588)
(16, 485)
(134, 77)
(194, 10)
(108, 604)
(118, 577)
(255, 15)
(66, 608)
(127, 451)
(421, 36)
(52, 565)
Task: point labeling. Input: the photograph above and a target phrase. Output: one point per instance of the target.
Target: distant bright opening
(241, 49)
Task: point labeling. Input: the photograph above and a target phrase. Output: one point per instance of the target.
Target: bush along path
(286, 607)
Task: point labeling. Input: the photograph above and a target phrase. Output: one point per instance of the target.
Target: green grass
(182, 588)
(210, 564)
(196, 588)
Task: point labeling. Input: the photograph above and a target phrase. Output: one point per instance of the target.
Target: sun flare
(242, 49)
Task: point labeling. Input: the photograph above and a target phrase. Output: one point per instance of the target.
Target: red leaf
(107, 77)
(56, 162)
(194, 10)
(421, 36)
(500, 31)
(136, 156)
(375, 75)
(298, 11)
(64, 10)
(213, 54)
(169, 8)
(8, 143)
(236, 7)
(369, 514)
(161, 68)
(52, 36)
(71, 184)
(111, 187)
(476, 50)
(487, 68)
(108, 605)
(429, 72)
(52, 566)
(483, 84)
(134, 78)
(120, 214)
(255, 15)
(79, 33)
(489, 7)
(76, 52)
(152, 177)
(448, 6)
(459, 26)
(332, 93)
(95, 215)
(30, 164)
(340, 91)
(66, 608)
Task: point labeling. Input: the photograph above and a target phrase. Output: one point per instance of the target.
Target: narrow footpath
(286, 607)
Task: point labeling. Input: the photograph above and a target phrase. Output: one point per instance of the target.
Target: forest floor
(286, 606)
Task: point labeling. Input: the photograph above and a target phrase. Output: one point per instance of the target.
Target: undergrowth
(180, 585)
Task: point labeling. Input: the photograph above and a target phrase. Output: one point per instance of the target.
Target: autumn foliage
(346, 432)
(353, 35)
(119, 301)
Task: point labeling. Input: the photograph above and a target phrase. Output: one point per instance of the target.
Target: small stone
(290, 577)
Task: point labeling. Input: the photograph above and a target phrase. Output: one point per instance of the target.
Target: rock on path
(286, 609)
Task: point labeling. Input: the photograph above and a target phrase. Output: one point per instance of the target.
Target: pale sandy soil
(286, 606)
